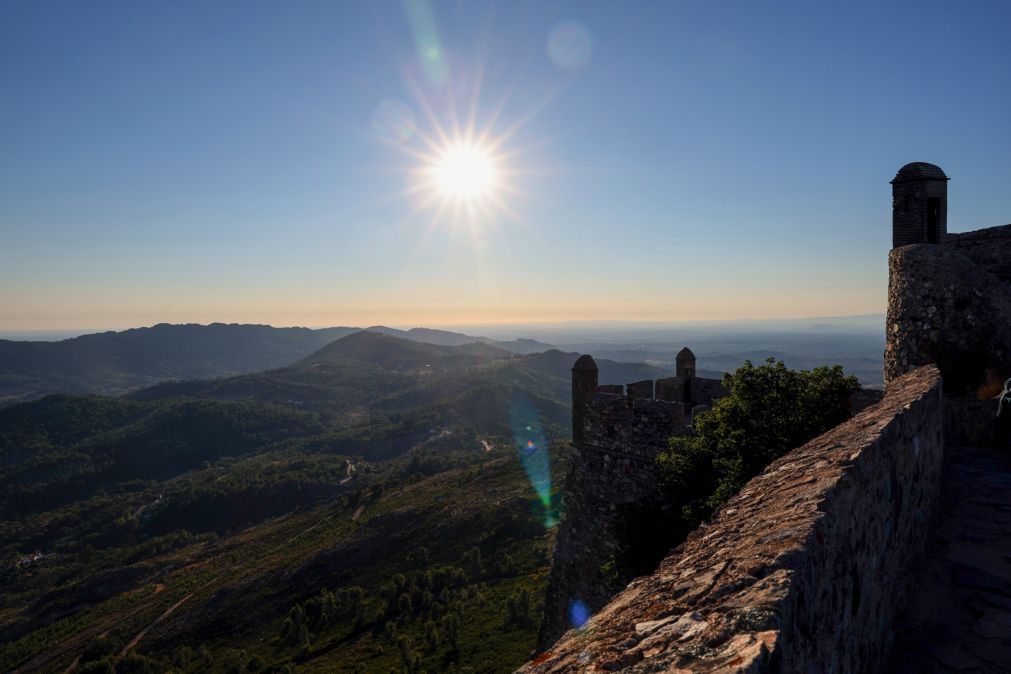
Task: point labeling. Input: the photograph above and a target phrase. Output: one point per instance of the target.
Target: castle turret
(584, 384)
(919, 205)
(685, 369)
(685, 361)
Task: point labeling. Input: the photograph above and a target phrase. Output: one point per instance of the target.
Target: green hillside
(368, 508)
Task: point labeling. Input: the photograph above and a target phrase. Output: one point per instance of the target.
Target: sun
(464, 171)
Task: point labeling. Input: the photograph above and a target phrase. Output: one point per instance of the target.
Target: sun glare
(464, 172)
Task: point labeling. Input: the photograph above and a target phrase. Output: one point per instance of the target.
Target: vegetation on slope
(382, 519)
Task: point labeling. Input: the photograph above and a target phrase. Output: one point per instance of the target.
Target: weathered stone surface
(803, 571)
(948, 307)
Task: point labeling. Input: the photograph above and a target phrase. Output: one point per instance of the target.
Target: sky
(264, 162)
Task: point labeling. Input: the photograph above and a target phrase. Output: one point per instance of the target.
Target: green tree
(431, 636)
(769, 410)
(472, 563)
(451, 628)
(304, 636)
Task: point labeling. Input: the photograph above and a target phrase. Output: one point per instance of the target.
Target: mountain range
(118, 362)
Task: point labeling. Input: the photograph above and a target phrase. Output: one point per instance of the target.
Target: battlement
(636, 419)
(618, 430)
(949, 301)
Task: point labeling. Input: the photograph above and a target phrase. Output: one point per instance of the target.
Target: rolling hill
(254, 543)
(116, 362)
(113, 363)
(209, 523)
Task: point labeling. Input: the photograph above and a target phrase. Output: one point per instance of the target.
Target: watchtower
(685, 369)
(584, 384)
(685, 363)
(919, 205)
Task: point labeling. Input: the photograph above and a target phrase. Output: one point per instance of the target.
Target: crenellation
(669, 388)
(618, 432)
(640, 390)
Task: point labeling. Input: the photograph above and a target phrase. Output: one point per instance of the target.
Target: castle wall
(803, 571)
(988, 248)
(705, 391)
(614, 464)
(950, 304)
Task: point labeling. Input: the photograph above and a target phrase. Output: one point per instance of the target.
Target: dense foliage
(770, 410)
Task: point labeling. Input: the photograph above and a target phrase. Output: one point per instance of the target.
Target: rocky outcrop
(803, 571)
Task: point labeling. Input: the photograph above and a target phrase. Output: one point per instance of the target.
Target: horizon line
(441, 325)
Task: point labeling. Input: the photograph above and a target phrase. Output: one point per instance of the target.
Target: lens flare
(533, 451)
(569, 46)
(426, 40)
(578, 614)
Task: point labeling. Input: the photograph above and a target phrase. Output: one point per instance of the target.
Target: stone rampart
(803, 571)
(636, 428)
(988, 248)
(618, 431)
(948, 305)
(615, 464)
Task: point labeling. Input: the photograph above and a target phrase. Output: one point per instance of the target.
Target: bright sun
(464, 171)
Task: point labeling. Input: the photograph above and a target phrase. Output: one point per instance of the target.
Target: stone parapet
(803, 571)
(989, 248)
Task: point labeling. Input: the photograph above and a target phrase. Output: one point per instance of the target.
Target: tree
(472, 563)
(451, 628)
(517, 607)
(431, 636)
(769, 410)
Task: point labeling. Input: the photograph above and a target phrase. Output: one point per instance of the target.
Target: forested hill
(372, 504)
(118, 362)
(115, 362)
(368, 371)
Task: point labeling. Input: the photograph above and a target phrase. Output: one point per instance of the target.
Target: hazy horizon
(468, 328)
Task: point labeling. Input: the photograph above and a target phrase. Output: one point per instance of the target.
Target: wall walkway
(959, 616)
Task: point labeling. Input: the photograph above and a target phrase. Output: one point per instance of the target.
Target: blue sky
(193, 162)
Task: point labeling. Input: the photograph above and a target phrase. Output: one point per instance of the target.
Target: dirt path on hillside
(959, 617)
(165, 614)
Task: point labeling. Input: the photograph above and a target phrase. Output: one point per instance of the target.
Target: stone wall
(614, 465)
(803, 571)
(970, 422)
(989, 248)
(950, 304)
